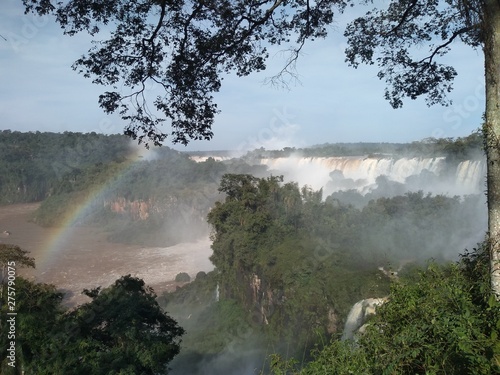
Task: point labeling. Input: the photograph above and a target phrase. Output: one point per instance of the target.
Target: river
(83, 258)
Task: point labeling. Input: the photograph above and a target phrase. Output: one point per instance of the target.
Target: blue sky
(332, 103)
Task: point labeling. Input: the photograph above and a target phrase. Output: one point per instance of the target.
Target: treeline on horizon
(67, 169)
(106, 173)
(36, 165)
(458, 149)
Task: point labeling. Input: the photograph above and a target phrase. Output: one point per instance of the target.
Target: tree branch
(403, 18)
(444, 45)
(277, 79)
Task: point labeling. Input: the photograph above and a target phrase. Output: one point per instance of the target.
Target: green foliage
(298, 263)
(13, 253)
(201, 275)
(122, 330)
(440, 320)
(101, 179)
(33, 166)
(39, 326)
(12, 258)
(183, 277)
(287, 256)
(217, 332)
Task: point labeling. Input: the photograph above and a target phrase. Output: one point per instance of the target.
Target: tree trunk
(491, 29)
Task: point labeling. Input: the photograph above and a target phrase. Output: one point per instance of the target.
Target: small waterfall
(354, 320)
(217, 293)
(358, 315)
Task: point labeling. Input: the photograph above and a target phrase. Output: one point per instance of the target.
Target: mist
(363, 173)
(146, 214)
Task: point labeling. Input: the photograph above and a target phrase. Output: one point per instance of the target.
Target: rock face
(137, 209)
(358, 316)
(144, 209)
(265, 301)
(263, 298)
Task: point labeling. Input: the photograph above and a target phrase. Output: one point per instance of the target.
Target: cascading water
(361, 173)
(358, 315)
(470, 174)
(354, 320)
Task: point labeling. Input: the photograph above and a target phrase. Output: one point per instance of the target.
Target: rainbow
(58, 239)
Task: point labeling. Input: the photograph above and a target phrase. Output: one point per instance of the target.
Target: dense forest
(438, 320)
(122, 330)
(296, 263)
(33, 164)
(289, 262)
(149, 197)
(137, 196)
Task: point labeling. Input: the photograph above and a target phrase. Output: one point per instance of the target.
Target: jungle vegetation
(98, 172)
(121, 330)
(440, 319)
(290, 264)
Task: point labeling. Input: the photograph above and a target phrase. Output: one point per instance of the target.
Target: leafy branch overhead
(182, 47)
(386, 36)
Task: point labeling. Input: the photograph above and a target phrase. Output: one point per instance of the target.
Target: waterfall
(358, 315)
(354, 320)
(217, 293)
(361, 173)
(470, 174)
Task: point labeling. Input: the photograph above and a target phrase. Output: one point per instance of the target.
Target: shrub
(182, 277)
(201, 275)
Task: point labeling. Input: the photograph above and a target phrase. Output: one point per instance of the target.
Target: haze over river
(87, 259)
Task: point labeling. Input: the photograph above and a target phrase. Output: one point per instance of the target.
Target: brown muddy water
(85, 259)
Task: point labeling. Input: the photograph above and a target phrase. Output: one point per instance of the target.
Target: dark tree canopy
(386, 37)
(184, 48)
(125, 330)
(122, 330)
(13, 253)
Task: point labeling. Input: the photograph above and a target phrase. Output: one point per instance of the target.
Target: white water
(358, 315)
(470, 175)
(361, 173)
(354, 320)
(201, 159)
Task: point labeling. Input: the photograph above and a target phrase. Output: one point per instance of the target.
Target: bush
(201, 275)
(182, 277)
